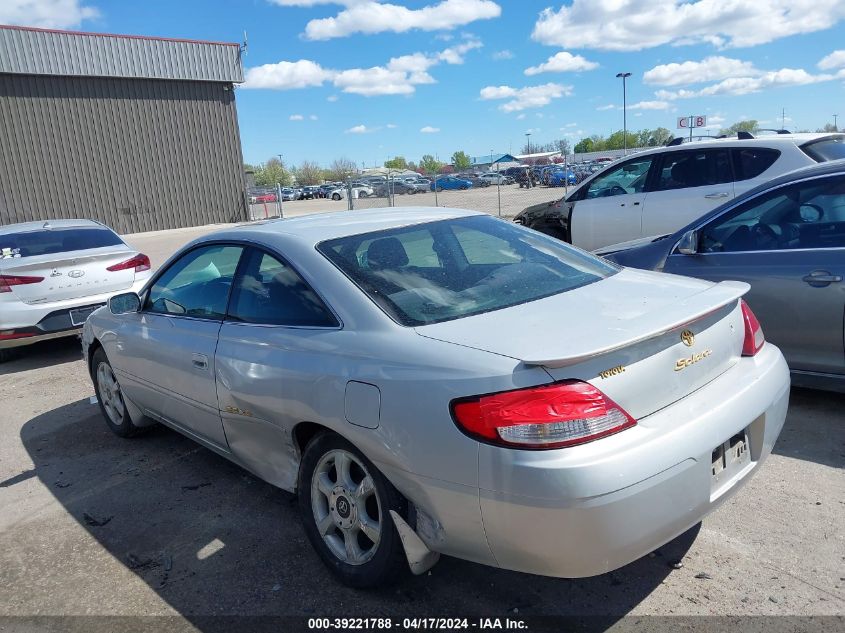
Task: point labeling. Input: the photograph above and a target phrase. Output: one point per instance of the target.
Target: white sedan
(437, 381)
(54, 274)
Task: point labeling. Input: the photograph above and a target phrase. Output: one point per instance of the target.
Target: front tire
(8, 354)
(110, 397)
(336, 196)
(345, 504)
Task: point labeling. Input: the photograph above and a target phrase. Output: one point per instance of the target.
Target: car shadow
(211, 539)
(44, 354)
(815, 428)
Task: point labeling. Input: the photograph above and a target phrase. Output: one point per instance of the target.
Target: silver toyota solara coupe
(438, 381)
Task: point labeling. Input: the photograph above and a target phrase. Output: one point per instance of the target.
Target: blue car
(449, 182)
(561, 178)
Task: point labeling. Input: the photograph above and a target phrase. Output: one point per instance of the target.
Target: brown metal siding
(138, 155)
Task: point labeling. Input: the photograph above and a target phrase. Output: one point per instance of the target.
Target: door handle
(821, 277)
(200, 361)
(716, 196)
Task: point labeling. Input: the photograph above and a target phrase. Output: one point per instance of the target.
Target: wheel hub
(342, 508)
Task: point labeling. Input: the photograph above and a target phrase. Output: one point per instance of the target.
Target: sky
(372, 79)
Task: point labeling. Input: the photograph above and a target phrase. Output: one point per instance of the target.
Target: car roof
(316, 228)
(23, 227)
(769, 140)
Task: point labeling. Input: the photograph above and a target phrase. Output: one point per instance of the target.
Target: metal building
(139, 133)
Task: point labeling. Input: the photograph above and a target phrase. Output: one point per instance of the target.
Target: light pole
(279, 188)
(835, 127)
(528, 144)
(624, 76)
(498, 182)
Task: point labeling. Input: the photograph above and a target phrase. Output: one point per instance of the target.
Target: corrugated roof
(30, 51)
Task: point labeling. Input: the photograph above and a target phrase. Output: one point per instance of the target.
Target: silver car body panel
(475, 501)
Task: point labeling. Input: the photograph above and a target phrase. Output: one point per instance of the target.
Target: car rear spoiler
(646, 327)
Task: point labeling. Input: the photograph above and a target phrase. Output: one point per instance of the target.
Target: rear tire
(336, 196)
(110, 397)
(345, 504)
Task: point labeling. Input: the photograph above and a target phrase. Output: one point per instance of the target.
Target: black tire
(438, 189)
(9, 354)
(122, 427)
(388, 559)
(336, 196)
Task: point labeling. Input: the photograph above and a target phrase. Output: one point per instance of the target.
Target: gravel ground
(91, 524)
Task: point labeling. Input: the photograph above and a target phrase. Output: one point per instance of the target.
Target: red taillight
(140, 263)
(7, 281)
(754, 337)
(551, 416)
(6, 335)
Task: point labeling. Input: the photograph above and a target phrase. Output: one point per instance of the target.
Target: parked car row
(769, 211)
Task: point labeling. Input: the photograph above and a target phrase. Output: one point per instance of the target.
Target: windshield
(52, 241)
(444, 270)
(825, 149)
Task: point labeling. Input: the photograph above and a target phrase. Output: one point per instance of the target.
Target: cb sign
(688, 122)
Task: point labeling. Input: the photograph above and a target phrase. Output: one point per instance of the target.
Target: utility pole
(835, 127)
(783, 118)
(624, 76)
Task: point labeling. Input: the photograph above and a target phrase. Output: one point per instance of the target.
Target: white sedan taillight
(754, 338)
(7, 281)
(550, 416)
(140, 263)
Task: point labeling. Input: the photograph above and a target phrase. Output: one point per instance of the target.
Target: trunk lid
(70, 275)
(645, 339)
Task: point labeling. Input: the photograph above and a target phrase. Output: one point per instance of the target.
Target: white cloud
(609, 106)
(519, 117)
(288, 75)
(746, 85)
(313, 117)
(649, 105)
(562, 62)
(835, 60)
(629, 25)
(500, 55)
(46, 14)
(524, 98)
(295, 117)
(708, 69)
(429, 130)
(332, 98)
(360, 129)
(377, 17)
(391, 126)
(398, 77)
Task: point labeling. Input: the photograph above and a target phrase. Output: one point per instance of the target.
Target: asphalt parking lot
(92, 524)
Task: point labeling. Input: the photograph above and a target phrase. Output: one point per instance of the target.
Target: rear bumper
(40, 322)
(588, 510)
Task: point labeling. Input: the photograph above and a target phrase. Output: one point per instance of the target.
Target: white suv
(660, 190)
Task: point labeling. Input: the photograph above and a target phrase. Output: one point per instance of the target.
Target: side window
(270, 292)
(197, 284)
(629, 177)
(750, 162)
(681, 170)
(808, 214)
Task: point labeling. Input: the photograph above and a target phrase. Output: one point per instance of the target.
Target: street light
(835, 127)
(528, 144)
(624, 76)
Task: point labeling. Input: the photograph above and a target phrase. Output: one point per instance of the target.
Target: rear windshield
(439, 271)
(52, 241)
(826, 149)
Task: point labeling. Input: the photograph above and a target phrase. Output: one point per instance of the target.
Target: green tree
(341, 169)
(430, 165)
(828, 127)
(308, 173)
(398, 162)
(271, 173)
(742, 126)
(461, 161)
(583, 146)
(617, 140)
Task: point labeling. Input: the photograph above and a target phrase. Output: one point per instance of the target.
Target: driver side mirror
(124, 303)
(688, 244)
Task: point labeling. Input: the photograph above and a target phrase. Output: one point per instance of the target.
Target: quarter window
(197, 284)
(270, 292)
